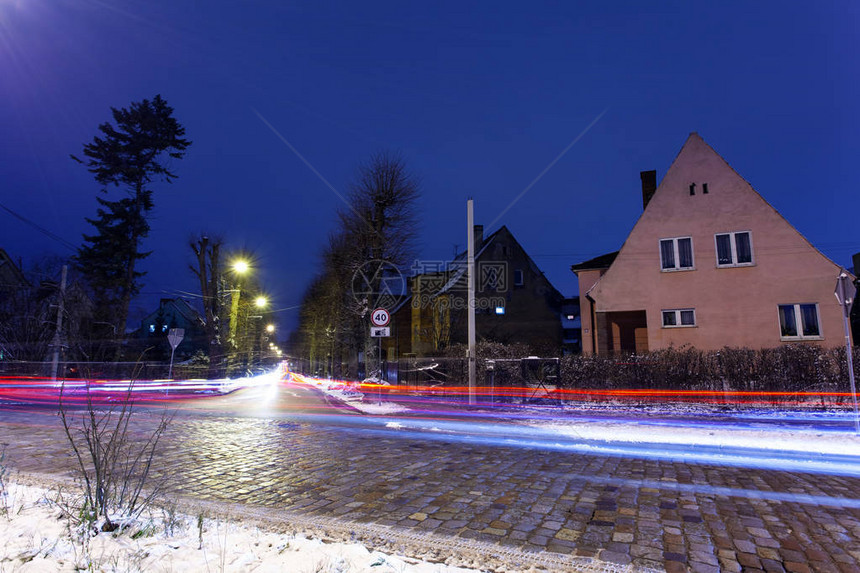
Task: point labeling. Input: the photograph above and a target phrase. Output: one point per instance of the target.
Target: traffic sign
(380, 332)
(175, 336)
(845, 292)
(380, 317)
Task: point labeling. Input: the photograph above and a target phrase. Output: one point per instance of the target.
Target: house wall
(734, 306)
(587, 279)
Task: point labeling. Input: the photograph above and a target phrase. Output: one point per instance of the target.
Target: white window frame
(676, 268)
(734, 250)
(798, 321)
(678, 312)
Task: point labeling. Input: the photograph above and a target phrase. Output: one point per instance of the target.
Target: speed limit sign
(380, 317)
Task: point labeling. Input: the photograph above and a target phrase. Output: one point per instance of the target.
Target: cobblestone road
(663, 515)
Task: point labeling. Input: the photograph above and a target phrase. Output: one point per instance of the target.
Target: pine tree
(131, 155)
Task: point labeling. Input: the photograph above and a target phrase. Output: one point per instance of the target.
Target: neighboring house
(708, 264)
(172, 313)
(11, 277)
(515, 302)
(571, 326)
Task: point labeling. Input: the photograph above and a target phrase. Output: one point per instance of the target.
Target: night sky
(480, 99)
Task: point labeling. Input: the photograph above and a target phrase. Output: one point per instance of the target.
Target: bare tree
(378, 230)
(207, 252)
(381, 220)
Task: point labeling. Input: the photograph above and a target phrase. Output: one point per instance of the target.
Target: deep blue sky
(478, 98)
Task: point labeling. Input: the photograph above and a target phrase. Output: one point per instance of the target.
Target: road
(437, 479)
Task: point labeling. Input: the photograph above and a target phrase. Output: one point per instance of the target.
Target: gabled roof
(675, 201)
(459, 265)
(11, 274)
(182, 307)
(597, 263)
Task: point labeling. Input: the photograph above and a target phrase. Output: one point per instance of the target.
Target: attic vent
(704, 188)
(692, 189)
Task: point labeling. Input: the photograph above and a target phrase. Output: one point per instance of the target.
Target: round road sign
(380, 317)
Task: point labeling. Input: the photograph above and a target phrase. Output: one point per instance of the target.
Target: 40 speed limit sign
(380, 317)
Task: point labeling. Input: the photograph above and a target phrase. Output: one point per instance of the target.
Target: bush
(113, 467)
(791, 368)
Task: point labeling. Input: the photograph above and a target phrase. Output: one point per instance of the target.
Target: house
(12, 279)
(172, 313)
(708, 264)
(571, 326)
(515, 302)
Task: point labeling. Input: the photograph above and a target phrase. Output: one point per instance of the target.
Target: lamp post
(261, 302)
(239, 267)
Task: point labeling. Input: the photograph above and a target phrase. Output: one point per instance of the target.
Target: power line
(39, 228)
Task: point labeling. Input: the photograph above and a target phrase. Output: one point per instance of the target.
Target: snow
(36, 536)
(349, 393)
(724, 435)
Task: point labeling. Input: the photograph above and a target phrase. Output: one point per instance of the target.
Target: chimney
(479, 237)
(649, 186)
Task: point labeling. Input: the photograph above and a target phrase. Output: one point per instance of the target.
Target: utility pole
(470, 270)
(845, 292)
(61, 308)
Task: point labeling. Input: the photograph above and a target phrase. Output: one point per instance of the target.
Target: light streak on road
(35, 390)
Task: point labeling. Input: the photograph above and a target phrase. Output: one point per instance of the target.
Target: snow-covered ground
(36, 536)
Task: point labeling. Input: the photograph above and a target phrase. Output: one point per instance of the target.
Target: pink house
(708, 264)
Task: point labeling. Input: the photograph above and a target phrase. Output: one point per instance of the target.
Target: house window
(680, 317)
(518, 277)
(676, 254)
(734, 249)
(799, 321)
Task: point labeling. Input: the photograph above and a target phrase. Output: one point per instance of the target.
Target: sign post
(845, 291)
(380, 318)
(174, 337)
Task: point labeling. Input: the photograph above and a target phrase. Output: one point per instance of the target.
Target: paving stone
(613, 557)
(698, 567)
(568, 534)
(772, 566)
(730, 565)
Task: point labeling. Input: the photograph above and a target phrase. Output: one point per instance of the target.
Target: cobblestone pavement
(664, 515)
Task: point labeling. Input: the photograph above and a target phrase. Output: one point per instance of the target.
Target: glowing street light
(261, 302)
(270, 328)
(240, 266)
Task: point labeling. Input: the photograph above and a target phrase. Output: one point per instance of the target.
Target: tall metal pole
(470, 223)
(61, 307)
(851, 369)
(845, 292)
